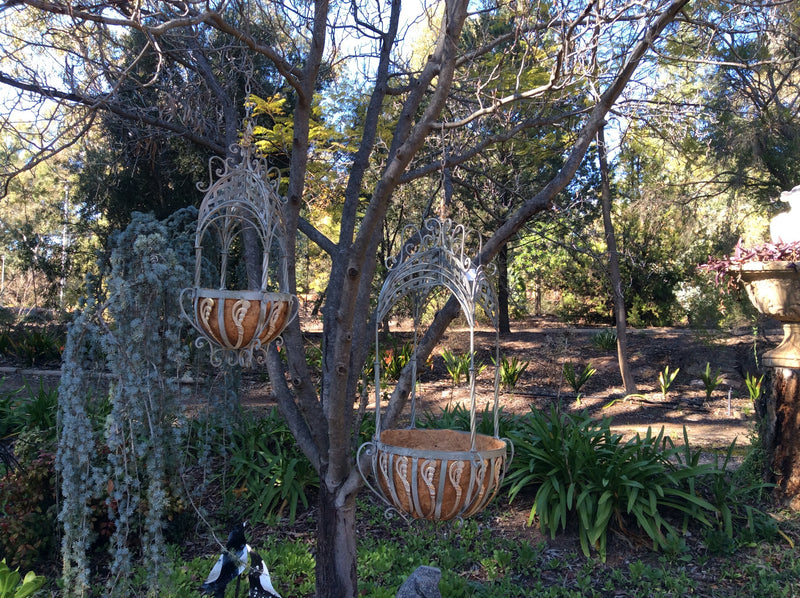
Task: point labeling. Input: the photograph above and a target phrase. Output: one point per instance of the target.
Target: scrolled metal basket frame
(432, 257)
(241, 197)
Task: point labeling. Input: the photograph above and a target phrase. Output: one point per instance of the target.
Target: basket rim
(248, 294)
(443, 455)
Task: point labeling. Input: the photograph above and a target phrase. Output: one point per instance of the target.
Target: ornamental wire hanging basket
(241, 209)
(428, 473)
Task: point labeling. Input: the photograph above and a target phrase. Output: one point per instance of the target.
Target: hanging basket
(237, 319)
(241, 210)
(435, 474)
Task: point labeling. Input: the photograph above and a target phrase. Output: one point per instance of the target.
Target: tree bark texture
(504, 321)
(613, 267)
(336, 546)
(779, 415)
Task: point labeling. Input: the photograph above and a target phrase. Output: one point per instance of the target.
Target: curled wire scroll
(434, 256)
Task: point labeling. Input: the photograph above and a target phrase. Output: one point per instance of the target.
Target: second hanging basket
(436, 474)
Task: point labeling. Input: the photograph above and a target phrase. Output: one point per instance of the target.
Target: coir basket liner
(234, 319)
(435, 474)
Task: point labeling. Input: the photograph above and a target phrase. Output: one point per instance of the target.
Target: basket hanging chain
(497, 383)
(417, 301)
(472, 400)
(446, 180)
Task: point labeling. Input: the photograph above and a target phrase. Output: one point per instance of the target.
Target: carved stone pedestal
(779, 414)
(774, 289)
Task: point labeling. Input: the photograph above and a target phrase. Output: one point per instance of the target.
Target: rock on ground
(422, 583)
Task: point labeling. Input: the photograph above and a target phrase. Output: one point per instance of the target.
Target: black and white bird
(231, 563)
(260, 581)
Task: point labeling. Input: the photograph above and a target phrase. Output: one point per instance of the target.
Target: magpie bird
(260, 582)
(231, 563)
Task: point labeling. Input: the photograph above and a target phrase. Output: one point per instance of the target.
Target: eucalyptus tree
(446, 91)
(44, 256)
(751, 98)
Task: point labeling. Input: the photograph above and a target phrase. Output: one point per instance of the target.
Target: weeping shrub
(133, 335)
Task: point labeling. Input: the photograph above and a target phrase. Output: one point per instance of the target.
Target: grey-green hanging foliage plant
(134, 333)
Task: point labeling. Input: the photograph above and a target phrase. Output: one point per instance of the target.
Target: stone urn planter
(774, 290)
(769, 274)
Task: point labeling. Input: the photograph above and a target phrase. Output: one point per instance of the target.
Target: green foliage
(34, 347)
(458, 366)
(35, 412)
(41, 409)
(605, 340)
(7, 344)
(11, 420)
(733, 493)
(511, 371)
(753, 386)
(395, 359)
(12, 585)
(455, 416)
(477, 562)
(577, 380)
(266, 474)
(314, 357)
(27, 511)
(710, 381)
(665, 380)
(31, 344)
(584, 472)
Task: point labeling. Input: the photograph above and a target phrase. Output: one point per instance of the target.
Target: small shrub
(576, 380)
(753, 386)
(314, 358)
(8, 317)
(456, 417)
(457, 365)
(605, 340)
(13, 585)
(585, 473)
(734, 493)
(11, 419)
(395, 359)
(41, 408)
(510, 371)
(710, 381)
(665, 380)
(27, 511)
(36, 347)
(267, 475)
(7, 344)
(453, 416)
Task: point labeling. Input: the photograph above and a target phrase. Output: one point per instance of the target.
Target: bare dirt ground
(710, 423)
(547, 345)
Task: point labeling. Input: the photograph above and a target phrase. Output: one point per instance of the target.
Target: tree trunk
(779, 417)
(613, 268)
(336, 546)
(504, 323)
